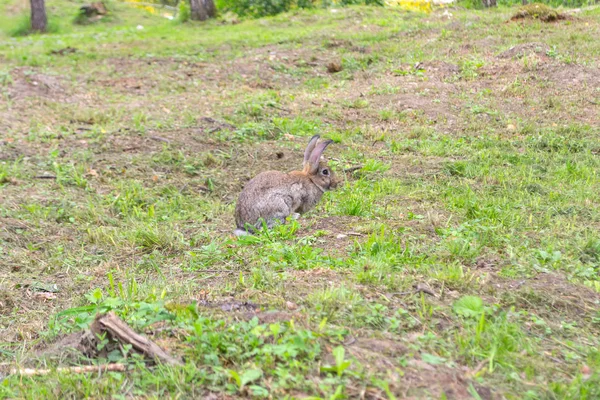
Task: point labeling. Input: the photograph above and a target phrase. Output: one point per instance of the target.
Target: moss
(538, 11)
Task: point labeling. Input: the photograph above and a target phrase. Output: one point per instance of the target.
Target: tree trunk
(201, 10)
(211, 10)
(39, 20)
(524, 2)
(198, 13)
(489, 3)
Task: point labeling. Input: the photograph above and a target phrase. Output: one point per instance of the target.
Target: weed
(340, 363)
(184, 13)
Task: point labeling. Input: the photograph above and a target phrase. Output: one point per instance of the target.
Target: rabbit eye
(325, 172)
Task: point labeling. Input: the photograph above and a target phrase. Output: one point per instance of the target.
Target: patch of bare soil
(551, 290)
(410, 102)
(375, 347)
(440, 70)
(151, 75)
(524, 49)
(17, 7)
(29, 83)
(9, 151)
(231, 305)
(67, 348)
(273, 67)
(441, 380)
(549, 77)
(301, 283)
(333, 225)
(125, 85)
(419, 377)
(565, 75)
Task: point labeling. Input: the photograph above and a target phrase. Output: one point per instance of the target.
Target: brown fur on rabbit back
(274, 195)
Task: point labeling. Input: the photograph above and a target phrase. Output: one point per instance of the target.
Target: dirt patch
(440, 70)
(229, 305)
(413, 103)
(550, 290)
(7, 301)
(339, 232)
(525, 49)
(334, 225)
(382, 346)
(269, 317)
(66, 348)
(27, 82)
(17, 7)
(568, 75)
(123, 84)
(247, 310)
(419, 379)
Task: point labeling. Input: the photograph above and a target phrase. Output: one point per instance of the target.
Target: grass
(464, 253)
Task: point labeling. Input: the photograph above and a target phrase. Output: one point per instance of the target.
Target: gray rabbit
(273, 195)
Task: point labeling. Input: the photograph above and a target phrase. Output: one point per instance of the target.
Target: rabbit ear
(310, 147)
(315, 156)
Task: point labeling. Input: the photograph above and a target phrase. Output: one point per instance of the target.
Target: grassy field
(460, 261)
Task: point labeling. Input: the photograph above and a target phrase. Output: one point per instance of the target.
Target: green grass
(464, 253)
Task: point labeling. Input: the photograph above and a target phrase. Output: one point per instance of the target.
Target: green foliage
(379, 3)
(255, 8)
(340, 363)
(81, 18)
(22, 26)
(184, 11)
(245, 378)
(262, 8)
(469, 306)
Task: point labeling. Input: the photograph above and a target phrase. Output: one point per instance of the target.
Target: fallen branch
(72, 370)
(120, 332)
(44, 177)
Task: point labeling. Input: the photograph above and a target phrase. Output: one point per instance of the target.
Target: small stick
(352, 169)
(159, 139)
(216, 271)
(280, 108)
(44, 177)
(73, 370)
(402, 293)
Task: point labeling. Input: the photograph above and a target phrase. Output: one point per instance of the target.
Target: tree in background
(39, 21)
(202, 9)
(489, 3)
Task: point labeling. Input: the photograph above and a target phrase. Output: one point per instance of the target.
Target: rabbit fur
(273, 196)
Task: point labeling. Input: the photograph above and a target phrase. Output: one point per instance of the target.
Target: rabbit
(273, 196)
